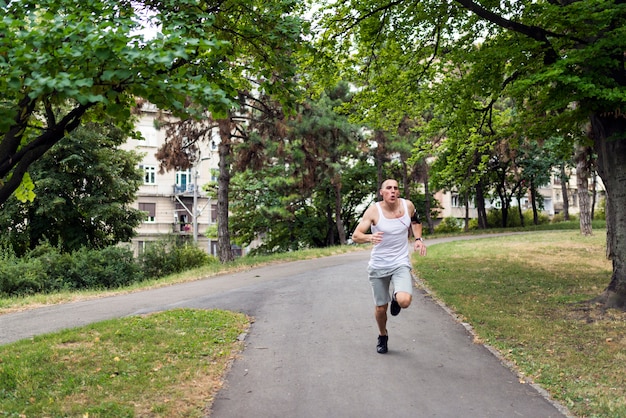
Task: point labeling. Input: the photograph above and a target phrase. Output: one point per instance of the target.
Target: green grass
(529, 297)
(167, 364)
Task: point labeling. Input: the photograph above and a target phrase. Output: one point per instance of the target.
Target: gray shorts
(381, 279)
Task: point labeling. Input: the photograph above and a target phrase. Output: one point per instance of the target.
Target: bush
(494, 218)
(599, 213)
(167, 257)
(58, 267)
(46, 269)
(189, 256)
(107, 268)
(543, 218)
(448, 225)
(21, 277)
(560, 218)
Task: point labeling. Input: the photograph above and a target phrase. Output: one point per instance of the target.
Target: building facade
(174, 201)
(453, 205)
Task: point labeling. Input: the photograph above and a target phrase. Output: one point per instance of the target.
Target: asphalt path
(311, 349)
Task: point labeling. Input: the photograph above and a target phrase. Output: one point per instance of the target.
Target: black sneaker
(381, 347)
(395, 307)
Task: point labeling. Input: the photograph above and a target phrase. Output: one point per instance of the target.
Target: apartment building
(174, 201)
(453, 205)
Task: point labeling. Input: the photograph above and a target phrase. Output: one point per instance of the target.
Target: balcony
(184, 189)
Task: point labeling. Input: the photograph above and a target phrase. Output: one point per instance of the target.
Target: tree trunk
(330, 225)
(405, 180)
(505, 212)
(480, 206)
(224, 249)
(520, 212)
(338, 221)
(594, 193)
(427, 207)
(504, 201)
(581, 156)
(564, 182)
(466, 228)
(533, 202)
(608, 133)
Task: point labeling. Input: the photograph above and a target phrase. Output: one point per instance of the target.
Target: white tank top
(393, 250)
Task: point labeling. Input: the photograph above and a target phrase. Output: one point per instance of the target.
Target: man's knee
(404, 299)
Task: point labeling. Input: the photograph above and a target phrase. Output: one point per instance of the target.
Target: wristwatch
(419, 239)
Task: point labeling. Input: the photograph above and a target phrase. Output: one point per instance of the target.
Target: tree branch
(21, 160)
(534, 32)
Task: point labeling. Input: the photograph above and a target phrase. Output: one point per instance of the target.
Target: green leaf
(25, 192)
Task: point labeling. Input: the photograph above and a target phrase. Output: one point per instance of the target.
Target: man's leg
(380, 289)
(381, 321)
(403, 288)
(404, 299)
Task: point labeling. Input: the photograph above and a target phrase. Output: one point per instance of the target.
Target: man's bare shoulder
(371, 214)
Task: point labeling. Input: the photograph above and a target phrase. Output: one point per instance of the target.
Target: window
(149, 176)
(183, 181)
(458, 201)
(150, 208)
(142, 246)
(213, 214)
(149, 134)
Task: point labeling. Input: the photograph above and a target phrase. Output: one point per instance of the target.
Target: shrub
(47, 269)
(167, 257)
(58, 267)
(109, 267)
(560, 218)
(542, 217)
(19, 277)
(155, 261)
(189, 256)
(448, 224)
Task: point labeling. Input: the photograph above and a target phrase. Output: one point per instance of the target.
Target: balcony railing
(183, 188)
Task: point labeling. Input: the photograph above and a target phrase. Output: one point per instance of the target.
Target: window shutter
(148, 207)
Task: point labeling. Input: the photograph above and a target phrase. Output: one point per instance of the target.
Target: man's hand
(420, 247)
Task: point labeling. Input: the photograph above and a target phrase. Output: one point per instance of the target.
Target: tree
(536, 168)
(63, 64)
(269, 204)
(85, 186)
(263, 39)
(563, 58)
(332, 143)
(305, 199)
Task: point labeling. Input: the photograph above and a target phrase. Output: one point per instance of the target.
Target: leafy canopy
(64, 63)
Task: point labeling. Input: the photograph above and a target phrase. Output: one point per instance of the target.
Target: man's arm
(360, 234)
(416, 229)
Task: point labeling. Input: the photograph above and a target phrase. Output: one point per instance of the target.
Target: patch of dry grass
(530, 297)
